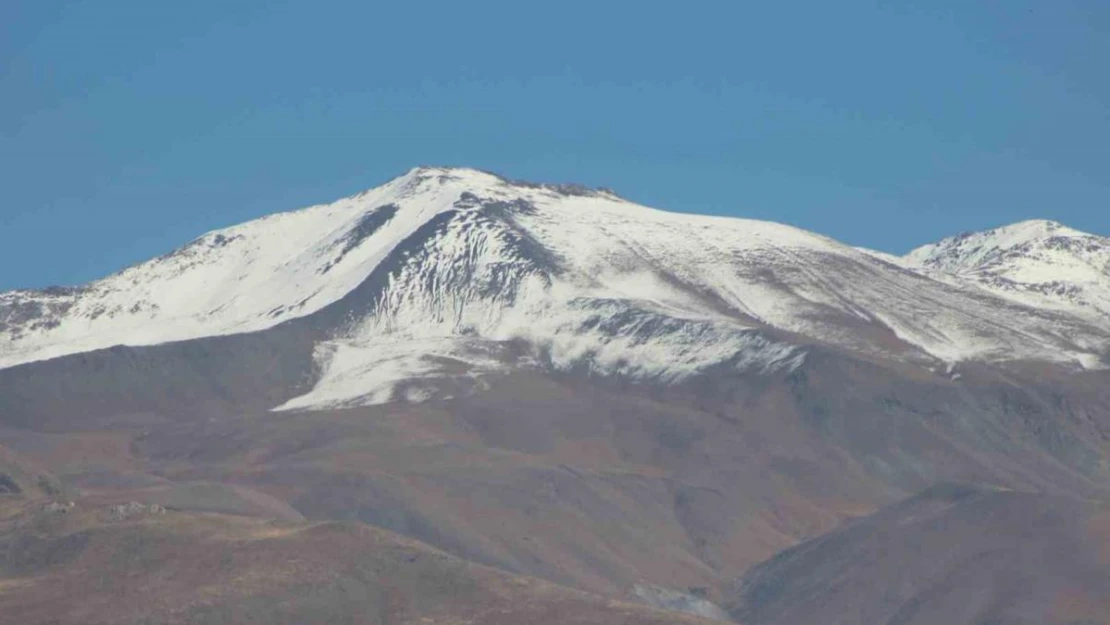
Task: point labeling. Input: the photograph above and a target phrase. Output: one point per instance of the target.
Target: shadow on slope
(953, 554)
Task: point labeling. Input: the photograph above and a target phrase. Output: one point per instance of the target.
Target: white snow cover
(479, 266)
(1040, 263)
(238, 279)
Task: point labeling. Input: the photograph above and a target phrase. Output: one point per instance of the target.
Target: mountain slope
(588, 482)
(83, 563)
(952, 555)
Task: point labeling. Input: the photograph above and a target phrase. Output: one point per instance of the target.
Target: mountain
(550, 382)
(436, 273)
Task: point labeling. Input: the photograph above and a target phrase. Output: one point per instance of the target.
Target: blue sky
(128, 127)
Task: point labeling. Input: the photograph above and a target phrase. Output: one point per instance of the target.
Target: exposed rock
(57, 507)
(677, 601)
(131, 509)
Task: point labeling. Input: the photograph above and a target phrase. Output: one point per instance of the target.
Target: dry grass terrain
(92, 565)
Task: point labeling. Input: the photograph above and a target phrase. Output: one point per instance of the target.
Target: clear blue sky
(128, 127)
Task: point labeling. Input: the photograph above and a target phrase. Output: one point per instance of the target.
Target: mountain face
(449, 273)
(470, 384)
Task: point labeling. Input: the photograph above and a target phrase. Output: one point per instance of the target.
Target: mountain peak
(1039, 262)
(472, 179)
(1046, 225)
(1031, 229)
(975, 250)
(425, 176)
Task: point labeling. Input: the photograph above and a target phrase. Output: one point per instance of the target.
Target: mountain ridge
(442, 274)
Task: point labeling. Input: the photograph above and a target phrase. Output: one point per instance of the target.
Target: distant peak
(1033, 228)
(974, 250)
(1008, 235)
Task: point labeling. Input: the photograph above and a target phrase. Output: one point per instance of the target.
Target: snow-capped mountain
(239, 279)
(1040, 263)
(445, 274)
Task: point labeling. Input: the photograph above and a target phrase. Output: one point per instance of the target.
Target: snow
(239, 279)
(1038, 263)
(371, 372)
(583, 280)
(678, 601)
